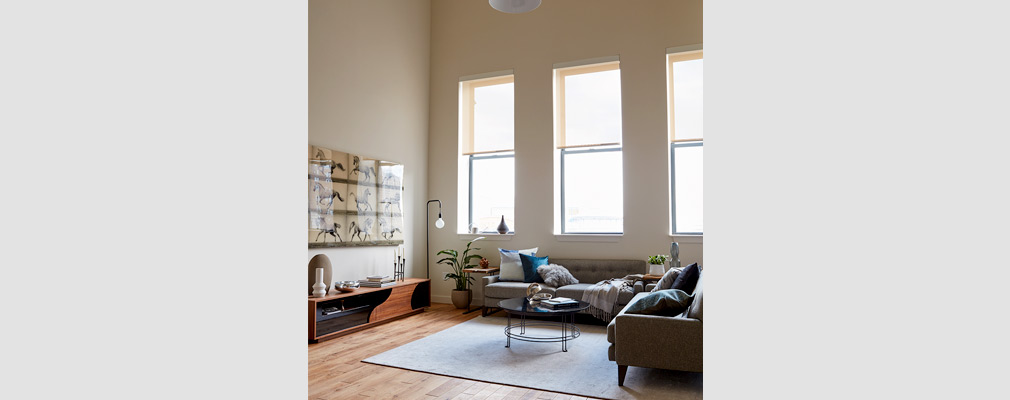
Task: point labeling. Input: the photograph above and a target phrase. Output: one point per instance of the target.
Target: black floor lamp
(439, 223)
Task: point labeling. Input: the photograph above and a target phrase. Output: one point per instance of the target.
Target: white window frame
(685, 53)
(467, 86)
(562, 149)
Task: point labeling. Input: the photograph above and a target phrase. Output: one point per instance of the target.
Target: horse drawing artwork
(325, 196)
(389, 201)
(358, 169)
(359, 201)
(386, 230)
(335, 232)
(359, 230)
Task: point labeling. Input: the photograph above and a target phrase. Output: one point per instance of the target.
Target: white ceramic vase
(319, 289)
(656, 269)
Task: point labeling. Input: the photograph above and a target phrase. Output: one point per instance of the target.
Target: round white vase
(656, 269)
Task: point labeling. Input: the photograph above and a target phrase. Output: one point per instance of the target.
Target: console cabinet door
(397, 304)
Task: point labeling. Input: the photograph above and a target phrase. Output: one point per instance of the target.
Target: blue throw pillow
(669, 302)
(530, 265)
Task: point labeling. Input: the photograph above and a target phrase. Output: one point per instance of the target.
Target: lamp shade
(514, 6)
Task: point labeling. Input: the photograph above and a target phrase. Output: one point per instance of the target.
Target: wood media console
(364, 307)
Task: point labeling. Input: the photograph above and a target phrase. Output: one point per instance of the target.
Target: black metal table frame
(569, 330)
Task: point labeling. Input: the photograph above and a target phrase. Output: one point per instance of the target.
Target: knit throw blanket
(602, 297)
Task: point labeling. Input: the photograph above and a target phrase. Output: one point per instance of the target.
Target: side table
(486, 271)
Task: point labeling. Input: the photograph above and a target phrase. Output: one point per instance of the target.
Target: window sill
(588, 237)
(689, 239)
(487, 236)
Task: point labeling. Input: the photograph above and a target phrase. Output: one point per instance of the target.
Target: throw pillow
(669, 302)
(511, 266)
(687, 279)
(666, 282)
(530, 265)
(556, 276)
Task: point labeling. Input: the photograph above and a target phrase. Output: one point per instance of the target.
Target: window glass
(593, 192)
(493, 192)
(688, 164)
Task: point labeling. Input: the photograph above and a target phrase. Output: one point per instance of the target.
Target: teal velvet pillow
(669, 302)
(530, 265)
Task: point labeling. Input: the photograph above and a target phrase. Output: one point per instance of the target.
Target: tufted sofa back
(592, 270)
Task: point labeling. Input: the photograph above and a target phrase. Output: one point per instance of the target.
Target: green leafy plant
(657, 259)
(458, 262)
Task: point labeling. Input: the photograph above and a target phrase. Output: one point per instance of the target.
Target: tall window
(588, 137)
(487, 135)
(687, 149)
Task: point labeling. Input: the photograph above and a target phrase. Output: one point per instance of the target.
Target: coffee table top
(521, 305)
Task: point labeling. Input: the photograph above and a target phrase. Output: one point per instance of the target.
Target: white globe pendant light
(514, 6)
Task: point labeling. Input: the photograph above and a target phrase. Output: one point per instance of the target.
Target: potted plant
(462, 295)
(656, 264)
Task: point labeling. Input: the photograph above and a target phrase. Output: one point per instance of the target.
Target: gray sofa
(588, 272)
(654, 341)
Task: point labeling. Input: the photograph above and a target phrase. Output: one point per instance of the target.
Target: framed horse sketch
(354, 200)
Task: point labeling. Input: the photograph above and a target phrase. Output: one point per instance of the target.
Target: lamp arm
(427, 254)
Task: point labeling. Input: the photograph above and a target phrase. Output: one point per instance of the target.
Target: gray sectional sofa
(655, 341)
(588, 272)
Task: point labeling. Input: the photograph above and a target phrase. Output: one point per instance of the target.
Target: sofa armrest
(655, 341)
(487, 280)
(649, 287)
(639, 287)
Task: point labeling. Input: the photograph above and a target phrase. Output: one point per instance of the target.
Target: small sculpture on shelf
(484, 263)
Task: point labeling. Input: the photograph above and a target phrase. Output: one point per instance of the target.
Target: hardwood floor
(336, 370)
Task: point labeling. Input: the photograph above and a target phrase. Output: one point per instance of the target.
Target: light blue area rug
(476, 350)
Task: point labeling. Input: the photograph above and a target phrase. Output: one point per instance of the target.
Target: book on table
(560, 302)
(375, 284)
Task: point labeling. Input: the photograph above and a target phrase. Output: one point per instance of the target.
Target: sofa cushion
(695, 310)
(666, 282)
(687, 279)
(556, 275)
(508, 290)
(575, 291)
(511, 268)
(669, 302)
(530, 266)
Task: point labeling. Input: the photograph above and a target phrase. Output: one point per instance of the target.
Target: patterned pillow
(556, 276)
(511, 266)
(667, 280)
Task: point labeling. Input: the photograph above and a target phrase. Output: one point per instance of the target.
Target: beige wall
(469, 37)
(368, 94)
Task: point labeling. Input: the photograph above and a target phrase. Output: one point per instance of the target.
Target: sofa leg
(622, 370)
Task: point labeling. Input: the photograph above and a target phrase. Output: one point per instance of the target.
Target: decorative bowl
(542, 296)
(347, 286)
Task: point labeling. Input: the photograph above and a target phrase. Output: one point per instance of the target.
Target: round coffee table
(522, 307)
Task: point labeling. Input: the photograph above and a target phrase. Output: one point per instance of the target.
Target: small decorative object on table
(674, 255)
(503, 228)
(484, 263)
(319, 289)
(398, 265)
(532, 290)
(541, 297)
(656, 264)
(347, 286)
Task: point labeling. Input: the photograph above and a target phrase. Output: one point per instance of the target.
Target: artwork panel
(361, 197)
(390, 200)
(321, 195)
(340, 166)
(319, 222)
(362, 169)
(391, 174)
(361, 228)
